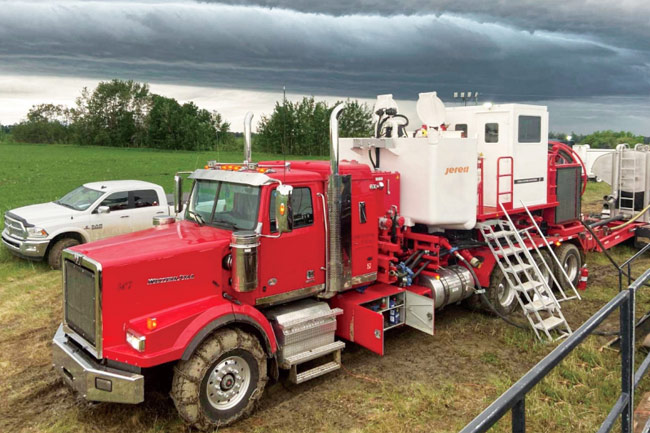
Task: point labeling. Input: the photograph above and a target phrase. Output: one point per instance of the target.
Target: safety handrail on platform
(514, 398)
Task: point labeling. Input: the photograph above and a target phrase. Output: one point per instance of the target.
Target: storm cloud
(519, 50)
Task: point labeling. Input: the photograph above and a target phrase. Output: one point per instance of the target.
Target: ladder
(627, 176)
(524, 276)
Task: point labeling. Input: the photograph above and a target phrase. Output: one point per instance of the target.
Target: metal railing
(514, 398)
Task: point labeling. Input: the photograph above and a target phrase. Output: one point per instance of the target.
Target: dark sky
(508, 50)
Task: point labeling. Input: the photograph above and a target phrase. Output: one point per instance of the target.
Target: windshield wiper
(196, 217)
(65, 205)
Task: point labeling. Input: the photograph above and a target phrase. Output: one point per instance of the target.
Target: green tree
(171, 125)
(46, 123)
(302, 128)
(609, 139)
(114, 114)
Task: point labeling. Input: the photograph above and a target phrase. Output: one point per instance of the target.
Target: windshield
(226, 205)
(80, 198)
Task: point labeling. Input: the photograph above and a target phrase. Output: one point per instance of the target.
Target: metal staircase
(523, 274)
(627, 170)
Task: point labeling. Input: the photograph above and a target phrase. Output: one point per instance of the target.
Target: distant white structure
(588, 156)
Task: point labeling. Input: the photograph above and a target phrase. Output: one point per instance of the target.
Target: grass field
(422, 384)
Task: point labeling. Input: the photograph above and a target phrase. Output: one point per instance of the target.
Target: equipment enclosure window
(491, 132)
(116, 201)
(530, 129)
(301, 205)
(461, 127)
(145, 198)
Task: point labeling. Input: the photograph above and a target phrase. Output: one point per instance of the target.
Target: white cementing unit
(438, 169)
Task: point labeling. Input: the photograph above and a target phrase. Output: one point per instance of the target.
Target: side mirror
(178, 194)
(103, 210)
(283, 211)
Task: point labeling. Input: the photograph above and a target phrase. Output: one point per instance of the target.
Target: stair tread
(308, 355)
(518, 268)
(317, 371)
(530, 285)
(510, 251)
(550, 323)
(540, 304)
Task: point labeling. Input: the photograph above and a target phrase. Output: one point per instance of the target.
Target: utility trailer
(278, 265)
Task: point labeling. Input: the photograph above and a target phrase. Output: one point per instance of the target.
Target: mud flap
(419, 312)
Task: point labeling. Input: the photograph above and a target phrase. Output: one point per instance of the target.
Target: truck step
(309, 355)
(519, 268)
(530, 285)
(499, 234)
(549, 323)
(540, 305)
(314, 372)
(509, 251)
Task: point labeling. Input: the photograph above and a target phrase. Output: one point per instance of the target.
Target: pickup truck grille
(14, 228)
(80, 296)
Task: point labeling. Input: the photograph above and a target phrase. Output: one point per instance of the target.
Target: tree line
(601, 139)
(126, 114)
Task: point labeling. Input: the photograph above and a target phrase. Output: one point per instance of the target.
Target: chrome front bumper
(93, 381)
(28, 249)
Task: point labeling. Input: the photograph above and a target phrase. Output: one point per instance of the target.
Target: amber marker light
(152, 323)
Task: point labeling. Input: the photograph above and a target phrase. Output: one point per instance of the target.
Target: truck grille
(14, 228)
(80, 301)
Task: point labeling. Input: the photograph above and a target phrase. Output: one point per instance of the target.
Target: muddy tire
(222, 380)
(546, 256)
(54, 254)
(500, 295)
(571, 260)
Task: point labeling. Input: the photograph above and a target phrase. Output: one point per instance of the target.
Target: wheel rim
(504, 294)
(571, 267)
(228, 383)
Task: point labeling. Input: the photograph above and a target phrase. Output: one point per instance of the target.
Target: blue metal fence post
(519, 416)
(627, 360)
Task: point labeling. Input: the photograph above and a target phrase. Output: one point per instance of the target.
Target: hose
(485, 298)
(631, 220)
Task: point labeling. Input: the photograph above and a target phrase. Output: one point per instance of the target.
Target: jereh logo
(451, 170)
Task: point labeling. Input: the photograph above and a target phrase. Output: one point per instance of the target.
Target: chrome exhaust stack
(335, 187)
(248, 152)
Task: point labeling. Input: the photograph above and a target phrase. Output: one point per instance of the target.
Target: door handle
(124, 216)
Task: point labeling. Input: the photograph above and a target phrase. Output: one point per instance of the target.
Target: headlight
(36, 232)
(135, 340)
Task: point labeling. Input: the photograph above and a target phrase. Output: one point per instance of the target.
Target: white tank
(438, 176)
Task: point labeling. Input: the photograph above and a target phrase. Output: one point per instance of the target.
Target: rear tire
(571, 260)
(546, 256)
(54, 254)
(222, 380)
(502, 297)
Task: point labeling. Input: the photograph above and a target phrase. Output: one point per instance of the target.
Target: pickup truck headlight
(135, 340)
(36, 232)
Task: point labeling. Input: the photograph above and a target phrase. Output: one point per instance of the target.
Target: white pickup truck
(93, 211)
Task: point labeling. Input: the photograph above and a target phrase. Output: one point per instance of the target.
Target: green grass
(422, 383)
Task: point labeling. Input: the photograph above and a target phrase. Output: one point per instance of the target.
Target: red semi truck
(278, 264)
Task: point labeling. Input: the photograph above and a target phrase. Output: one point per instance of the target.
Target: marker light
(135, 340)
(558, 243)
(282, 209)
(152, 323)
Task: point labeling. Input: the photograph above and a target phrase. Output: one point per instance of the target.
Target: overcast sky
(588, 60)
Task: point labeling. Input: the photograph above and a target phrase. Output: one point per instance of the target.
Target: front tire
(222, 380)
(54, 254)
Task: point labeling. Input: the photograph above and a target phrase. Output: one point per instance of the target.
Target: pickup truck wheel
(222, 380)
(54, 255)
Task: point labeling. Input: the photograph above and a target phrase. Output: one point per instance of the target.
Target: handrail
(514, 398)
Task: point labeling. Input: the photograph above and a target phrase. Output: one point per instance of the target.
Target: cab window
(301, 205)
(530, 129)
(116, 201)
(145, 198)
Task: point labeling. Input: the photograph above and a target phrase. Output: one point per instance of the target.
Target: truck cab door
(114, 223)
(146, 205)
(294, 261)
